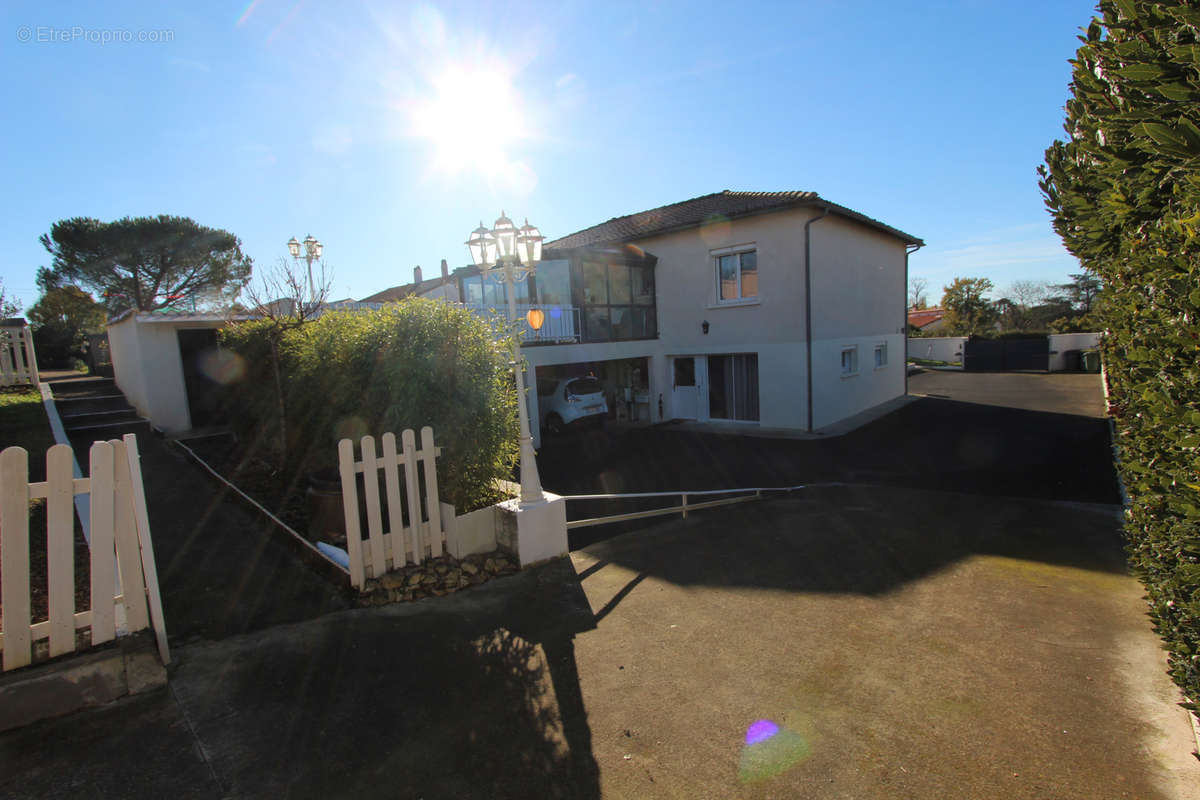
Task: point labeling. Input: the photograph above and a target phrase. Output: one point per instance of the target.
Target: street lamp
(508, 253)
(312, 252)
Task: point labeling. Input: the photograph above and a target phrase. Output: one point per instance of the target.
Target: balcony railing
(561, 325)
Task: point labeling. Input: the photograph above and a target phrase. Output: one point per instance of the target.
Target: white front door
(684, 393)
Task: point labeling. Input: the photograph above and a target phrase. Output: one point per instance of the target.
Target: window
(737, 276)
(881, 355)
(616, 300)
(849, 361)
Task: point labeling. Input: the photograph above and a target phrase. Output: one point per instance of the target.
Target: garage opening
(623, 383)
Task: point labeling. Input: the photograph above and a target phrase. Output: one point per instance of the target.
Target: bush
(347, 374)
(1124, 190)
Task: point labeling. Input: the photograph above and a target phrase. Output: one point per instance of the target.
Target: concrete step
(82, 387)
(76, 406)
(86, 419)
(110, 430)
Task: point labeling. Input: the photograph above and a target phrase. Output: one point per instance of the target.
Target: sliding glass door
(733, 387)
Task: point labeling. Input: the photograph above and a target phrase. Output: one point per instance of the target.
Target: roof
(919, 318)
(691, 213)
(400, 292)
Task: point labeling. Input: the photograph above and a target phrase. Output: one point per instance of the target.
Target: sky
(390, 130)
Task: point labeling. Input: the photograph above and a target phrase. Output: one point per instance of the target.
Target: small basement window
(849, 361)
(881, 355)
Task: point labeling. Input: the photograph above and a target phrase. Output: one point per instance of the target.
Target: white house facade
(773, 310)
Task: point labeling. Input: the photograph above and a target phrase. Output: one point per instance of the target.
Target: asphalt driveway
(1005, 434)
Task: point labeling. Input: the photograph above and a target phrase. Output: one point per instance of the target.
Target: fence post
(60, 548)
(30, 357)
(102, 545)
(141, 518)
(14, 556)
(354, 547)
(432, 500)
(685, 506)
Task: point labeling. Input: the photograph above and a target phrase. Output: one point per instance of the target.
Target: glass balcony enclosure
(587, 296)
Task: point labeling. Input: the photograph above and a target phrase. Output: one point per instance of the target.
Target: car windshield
(581, 386)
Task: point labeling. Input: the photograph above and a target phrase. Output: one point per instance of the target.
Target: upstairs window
(737, 275)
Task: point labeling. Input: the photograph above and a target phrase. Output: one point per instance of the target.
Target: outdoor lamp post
(312, 252)
(511, 254)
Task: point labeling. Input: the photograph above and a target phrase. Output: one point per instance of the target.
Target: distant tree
(1027, 306)
(1081, 292)
(148, 263)
(968, 312)
(61, 319)
(916, 293)
(9, 306)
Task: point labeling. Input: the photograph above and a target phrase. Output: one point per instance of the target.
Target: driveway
(1008, 434)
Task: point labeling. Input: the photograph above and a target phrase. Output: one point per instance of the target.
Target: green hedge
(347, 374)
(1124, 191)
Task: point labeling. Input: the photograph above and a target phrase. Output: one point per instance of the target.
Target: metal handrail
(682, 509)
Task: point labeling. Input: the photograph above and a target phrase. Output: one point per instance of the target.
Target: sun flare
(471, 120)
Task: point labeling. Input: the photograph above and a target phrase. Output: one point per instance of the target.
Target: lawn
(23, 423)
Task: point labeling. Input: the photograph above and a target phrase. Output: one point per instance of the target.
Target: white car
(570, 401)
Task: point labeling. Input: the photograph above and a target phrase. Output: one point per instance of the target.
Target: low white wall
(1060, 343)
(940, 348)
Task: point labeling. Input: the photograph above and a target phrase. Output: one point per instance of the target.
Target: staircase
(95, 409)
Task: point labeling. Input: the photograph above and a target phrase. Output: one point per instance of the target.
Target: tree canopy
(968, 312)
(1123, 189)
(148, 263)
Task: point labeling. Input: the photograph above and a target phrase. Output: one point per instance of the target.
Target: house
(781, 310)
(442, 287)
(926, 320)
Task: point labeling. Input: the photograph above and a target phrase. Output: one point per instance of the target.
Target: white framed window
(736, 273)
(849, 361)
(881, 355)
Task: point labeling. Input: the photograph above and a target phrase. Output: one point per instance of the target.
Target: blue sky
(389, 130)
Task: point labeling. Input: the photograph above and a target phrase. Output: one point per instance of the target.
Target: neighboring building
(926, 320)
(714, 308)
(442, 287)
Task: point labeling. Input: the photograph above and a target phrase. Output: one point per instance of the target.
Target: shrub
(347, 374)
(1124, 191)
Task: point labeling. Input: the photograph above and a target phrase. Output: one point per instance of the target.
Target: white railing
(18, 365)
(745, 495)
(424, 536)
(124, 580)
(561, 322)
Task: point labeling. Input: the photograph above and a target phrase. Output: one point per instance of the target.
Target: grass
(931, 362)
(23, 423)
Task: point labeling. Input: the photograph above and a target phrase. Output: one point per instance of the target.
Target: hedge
(346, 374)
(1124, 192)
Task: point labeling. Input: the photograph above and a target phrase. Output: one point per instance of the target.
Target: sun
(471, 118)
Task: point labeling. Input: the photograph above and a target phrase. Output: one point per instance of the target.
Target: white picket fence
(124, 580)
(18, 366)
(398, 544)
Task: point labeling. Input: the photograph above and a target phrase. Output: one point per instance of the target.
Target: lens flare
(769, 751)
(222, 366)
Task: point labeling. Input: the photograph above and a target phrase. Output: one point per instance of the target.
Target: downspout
(908, 251)
(808, 310)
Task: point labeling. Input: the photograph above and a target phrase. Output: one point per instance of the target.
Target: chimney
(445, 270)
(416, 274)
